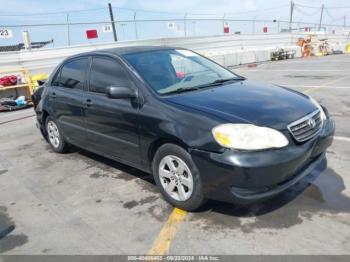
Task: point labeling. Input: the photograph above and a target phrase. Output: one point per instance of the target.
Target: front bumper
(247, 177)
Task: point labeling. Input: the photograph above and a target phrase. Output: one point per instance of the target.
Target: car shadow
(106, 164)
(318, 193)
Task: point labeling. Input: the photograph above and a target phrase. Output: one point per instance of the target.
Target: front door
(111, 124)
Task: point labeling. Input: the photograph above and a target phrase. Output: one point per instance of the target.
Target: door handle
(53, 95)
(88, 102)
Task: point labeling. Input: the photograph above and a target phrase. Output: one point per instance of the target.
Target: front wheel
(178, 177)
(54, 136)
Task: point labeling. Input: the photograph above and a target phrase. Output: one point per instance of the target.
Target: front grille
(306, 127)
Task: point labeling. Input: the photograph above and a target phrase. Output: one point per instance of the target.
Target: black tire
(62, 146)
(197, 197)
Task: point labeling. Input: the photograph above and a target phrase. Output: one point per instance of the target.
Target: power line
(53, 13)
(139, 10)
(317, 7)
(146, 10)
(306, 6)
(328, 13)
(338, 7)
(157, 20)
(298, 7)
(306, 13)
(199, 13)
(332, 17)
(260, 10)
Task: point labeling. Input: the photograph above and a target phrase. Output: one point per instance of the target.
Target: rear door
(66, 99)
(111, 124)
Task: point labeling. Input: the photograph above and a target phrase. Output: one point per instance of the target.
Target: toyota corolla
(201, 130)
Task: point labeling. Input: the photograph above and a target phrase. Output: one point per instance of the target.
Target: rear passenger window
(73, 73)
(106, 72)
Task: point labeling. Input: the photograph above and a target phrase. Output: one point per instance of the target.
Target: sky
(28, 12)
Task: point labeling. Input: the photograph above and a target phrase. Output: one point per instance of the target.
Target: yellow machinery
(36, 78)
(348, 48)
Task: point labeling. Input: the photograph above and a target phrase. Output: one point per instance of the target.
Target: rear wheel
(177, 177)
(54, 136)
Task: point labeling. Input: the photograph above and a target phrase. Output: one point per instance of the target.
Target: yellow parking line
(325, 85)
(163, 241)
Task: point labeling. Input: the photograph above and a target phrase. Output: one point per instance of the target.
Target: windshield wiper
(220, 82)
(181, 90)
(215, 83)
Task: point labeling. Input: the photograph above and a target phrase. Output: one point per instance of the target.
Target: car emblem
(311, 123)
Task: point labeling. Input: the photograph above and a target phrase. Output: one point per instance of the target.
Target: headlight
(248, 137)
(322, 113)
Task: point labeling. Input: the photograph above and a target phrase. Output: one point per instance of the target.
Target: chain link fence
(66, 29)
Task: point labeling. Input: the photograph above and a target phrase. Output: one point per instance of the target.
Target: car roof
(120, 51)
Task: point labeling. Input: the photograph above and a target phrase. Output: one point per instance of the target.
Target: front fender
(184, 126)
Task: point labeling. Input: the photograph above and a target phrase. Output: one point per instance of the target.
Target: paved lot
(79, 203)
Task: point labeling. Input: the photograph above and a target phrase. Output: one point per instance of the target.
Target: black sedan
(201, 130)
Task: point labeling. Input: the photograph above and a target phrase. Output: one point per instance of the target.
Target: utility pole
(185, 24)
(319, 26)
(68, 30)
(135, 26)
(344, 22)
(291, 15)
(223, 22)
(112, 22)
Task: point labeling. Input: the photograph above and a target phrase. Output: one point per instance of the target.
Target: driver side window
(107, 72)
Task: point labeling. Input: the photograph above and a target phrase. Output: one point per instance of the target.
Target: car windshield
(178, 70)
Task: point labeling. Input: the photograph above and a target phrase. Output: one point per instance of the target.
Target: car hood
(247, 101)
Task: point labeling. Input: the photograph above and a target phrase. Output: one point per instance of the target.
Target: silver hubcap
(54, 135)
(176, 178)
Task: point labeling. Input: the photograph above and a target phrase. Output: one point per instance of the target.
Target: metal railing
(227, 50)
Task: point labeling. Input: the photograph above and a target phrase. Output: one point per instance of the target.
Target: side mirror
(120, 92)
